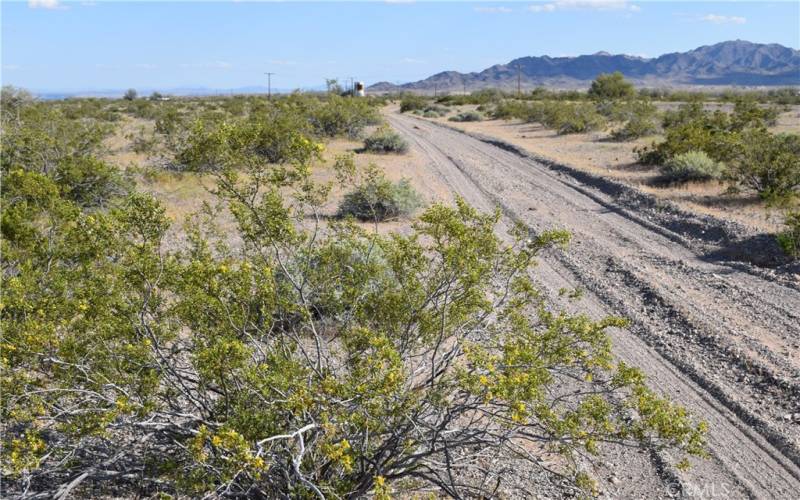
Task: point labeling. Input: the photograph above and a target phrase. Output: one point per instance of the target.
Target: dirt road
(722, 338)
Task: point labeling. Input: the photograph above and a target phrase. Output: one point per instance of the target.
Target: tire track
(628, 265)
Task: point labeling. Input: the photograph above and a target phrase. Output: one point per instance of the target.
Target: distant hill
(727, 63)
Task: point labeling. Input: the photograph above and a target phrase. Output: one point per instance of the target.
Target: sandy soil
(596, 154)
(184, 193)
(721, 337)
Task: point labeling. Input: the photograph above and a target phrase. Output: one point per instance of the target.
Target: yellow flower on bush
(340, 453)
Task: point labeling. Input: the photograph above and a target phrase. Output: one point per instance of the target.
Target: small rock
(614, 480)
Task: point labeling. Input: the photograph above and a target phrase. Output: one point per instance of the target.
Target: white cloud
(547, 7)
(493, 10)
(718, 19)
(10, 67)
(45, 4)
(411, 60)
(619, 5)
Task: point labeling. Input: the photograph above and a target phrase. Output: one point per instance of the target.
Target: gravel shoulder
(711, 328)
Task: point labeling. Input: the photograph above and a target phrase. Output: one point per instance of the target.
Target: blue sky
(89, 45)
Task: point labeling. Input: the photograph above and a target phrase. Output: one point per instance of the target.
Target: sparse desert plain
(685, 279)
(494, 261)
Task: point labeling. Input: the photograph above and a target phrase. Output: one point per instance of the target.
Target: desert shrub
(613, 110)
(41, 140)
(467, 116)
(379, 200)
(572, 118)
(169, 121)
(235, 106)
(768, 164)
(565, 117)
(90, 182)
(276, 138)
(711, 133)
(693, 165)
(12, 100)
(87, 108)
(411, 102)
(785, 96)
(211, 146)
(385, 140)
(130, 95)
(42, 136)
(508, 109)
(634, 128)
(435, 111)
(639, 119)
(143, 108)
(341, 116)
(431, 111)
(748, 113)
(686, 112)
(608, 86)
(480, 97)
(789, 239)
(298, 358)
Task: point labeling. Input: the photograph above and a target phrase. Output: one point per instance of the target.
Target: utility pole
(519, 87)
(434, 90)
(352, 86)
(269, 85)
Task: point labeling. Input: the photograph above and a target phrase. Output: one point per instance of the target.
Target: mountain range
(735, 62)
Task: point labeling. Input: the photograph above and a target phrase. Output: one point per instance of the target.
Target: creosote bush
(768, 164)
(432, 111)
(411, 102)
(609, 86)
(385, 140)
(303, 357)
(789, 239)
(467, 116)
(692, 166)
(638, 118)
(754, 159)
(374, 198)
(564, 117)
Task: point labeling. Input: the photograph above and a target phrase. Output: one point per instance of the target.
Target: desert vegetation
(789, 239)
(725, 137)
(385, 140)
(748, 155)
(298, 354)
(467, 116)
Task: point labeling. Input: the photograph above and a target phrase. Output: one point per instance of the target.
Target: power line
(269, 85)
